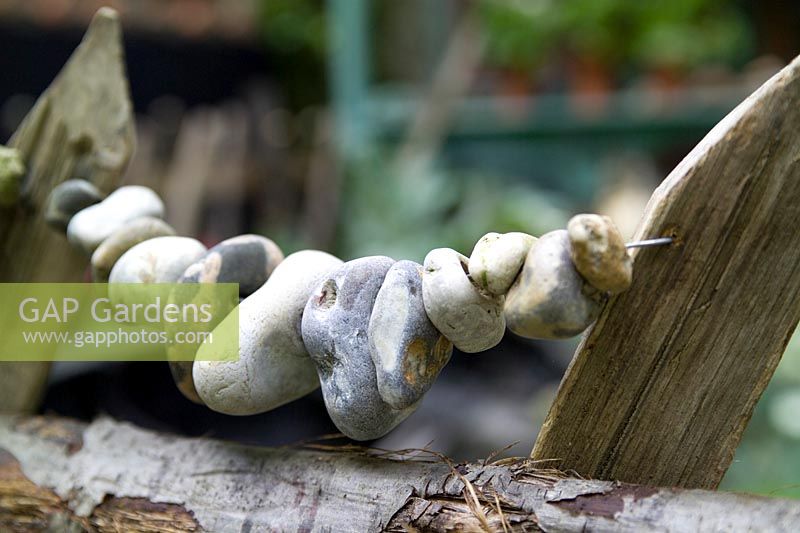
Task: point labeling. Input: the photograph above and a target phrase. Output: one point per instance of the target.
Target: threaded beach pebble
(550, 300)
(273, 366)
(335, 331)
(158, 260)
(599, 254)
(68, 198)
(470, 318)
(497, 259)
(111, 249)
(91, 226)
(245, 259)
(406, 348)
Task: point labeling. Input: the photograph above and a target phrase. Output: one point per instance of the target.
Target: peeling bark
(111, 476)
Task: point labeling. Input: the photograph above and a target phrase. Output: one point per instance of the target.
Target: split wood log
(663, 385)
(110, 476)
(81, 127)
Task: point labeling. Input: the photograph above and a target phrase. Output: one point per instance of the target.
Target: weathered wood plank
(665, 382)
(81, 126)
(112, 476)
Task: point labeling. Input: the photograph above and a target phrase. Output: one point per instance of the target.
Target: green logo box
(118, 322)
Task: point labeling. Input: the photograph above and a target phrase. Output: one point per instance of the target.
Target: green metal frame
(542, 126)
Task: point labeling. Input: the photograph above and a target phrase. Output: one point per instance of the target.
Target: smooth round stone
(598, 251)
(110, 250)
(91, 226)
(471, 319)
(66, 199)
(497, 259)
(159, 260)
(12, 169)
(550, 300)
(247, 260)
(335, 331)
(274, 366)
(406, 348)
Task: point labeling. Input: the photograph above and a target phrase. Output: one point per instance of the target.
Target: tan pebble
(122, 240)
(598, 251)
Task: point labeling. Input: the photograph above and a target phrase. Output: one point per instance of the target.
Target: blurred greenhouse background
(381, 127)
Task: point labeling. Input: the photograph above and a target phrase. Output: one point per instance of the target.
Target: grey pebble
(335, 331)
(246, 259)
(406, 348)
(66, 199)
(550, 300)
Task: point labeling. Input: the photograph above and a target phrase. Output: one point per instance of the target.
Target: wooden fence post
(663, 385)
(81, 127)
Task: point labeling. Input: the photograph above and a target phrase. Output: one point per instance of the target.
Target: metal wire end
(661, 241)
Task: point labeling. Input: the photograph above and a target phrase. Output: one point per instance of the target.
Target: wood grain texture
(111, 476)
(81, 127)
(663, 385)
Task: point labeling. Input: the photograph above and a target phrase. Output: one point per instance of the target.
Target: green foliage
(292, 25)
(767, 460)
(674, 33)
(405, 211)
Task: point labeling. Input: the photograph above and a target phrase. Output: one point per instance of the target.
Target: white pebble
(158, 260)
(91, 226)
(497, 259)
(472, 320)
(274, 366)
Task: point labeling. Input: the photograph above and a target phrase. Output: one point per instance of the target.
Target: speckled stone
(274, 367)
(12, 169)
(110, 250)
(335, 331)
(159, 260)
(66, 199)
(91, 226)
(497, 259)
(550, 300)
(470, 318)
(246, 259)
(598, 251)
(406, 348)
